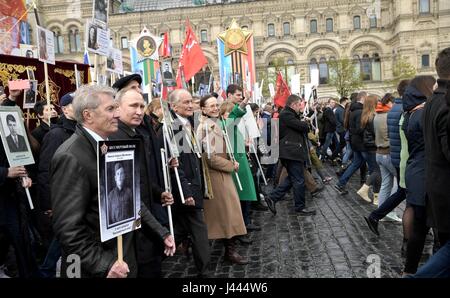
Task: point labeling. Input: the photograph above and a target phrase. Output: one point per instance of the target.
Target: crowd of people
(398, 143)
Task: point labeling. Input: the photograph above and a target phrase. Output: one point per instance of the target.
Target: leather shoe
(317, 190)
(271, 205)
(244, 239)
(373, 225)
(306, 212)
(252, 227)
(258, 206)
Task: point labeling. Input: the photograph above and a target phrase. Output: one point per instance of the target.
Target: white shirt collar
(93, 134)
(183, 120)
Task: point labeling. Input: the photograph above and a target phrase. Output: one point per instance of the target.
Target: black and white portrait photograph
(30, 95)
(120, 192)
(167, 70)
(101, 10)
(30, 74)
(14, 137)
(119, 185)
(45, 45)
(97, 38)
(92, 37)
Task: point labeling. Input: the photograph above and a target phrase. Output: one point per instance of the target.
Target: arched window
(124, 42)
(323, 71)
(313, 70)
(376, 67)
(424, 6)
(271, 29)
(74, 40)
(366, 67)
(357, 65)
(59, 42)
(313, 26)
(204, 35)
(373, 21)
(329, 25)
(356, 22)
(286, 28)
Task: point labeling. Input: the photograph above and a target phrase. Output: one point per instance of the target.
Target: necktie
(16, 141)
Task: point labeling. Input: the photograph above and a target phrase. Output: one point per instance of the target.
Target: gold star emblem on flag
(235, 38)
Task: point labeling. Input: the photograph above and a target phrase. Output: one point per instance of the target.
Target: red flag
(192, 58)
(165, 48)
(282, 92)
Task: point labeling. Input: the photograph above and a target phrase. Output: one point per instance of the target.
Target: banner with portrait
(61, 79)
(119, 187)
(97, 38)
(114, 61)
(45, 45)
(14, 137)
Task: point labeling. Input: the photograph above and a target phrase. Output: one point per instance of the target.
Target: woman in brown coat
(223, 214)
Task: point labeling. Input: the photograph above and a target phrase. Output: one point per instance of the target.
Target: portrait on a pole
(14, 137)
(119, 189)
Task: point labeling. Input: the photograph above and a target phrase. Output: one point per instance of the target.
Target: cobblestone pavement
(336, 242)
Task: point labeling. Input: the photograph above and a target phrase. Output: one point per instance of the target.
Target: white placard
(119, 188)
(114, 61)
(295, 84)
(250, 124)
(46, 45)
(14, 137)
(97, 39)
(271, 90)
(315, 76)
(308, 91)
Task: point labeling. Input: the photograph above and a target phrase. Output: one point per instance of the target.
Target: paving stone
(335, 243)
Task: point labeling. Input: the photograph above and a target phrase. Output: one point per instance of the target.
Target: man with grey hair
(74, 191)
(149, 244)
(188, 218)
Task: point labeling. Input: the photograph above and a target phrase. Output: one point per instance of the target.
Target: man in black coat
(14, 218)
(149, 247)
(329, 127)
(57, 135)
(74, 192)
(189, 218)
(437, 150)
(293, 154)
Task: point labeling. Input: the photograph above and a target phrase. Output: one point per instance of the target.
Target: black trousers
(192, 223)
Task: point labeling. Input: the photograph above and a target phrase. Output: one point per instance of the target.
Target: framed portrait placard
(46, 45)
(119, 188)
(100, 10)
(97, 38)
(14, 137)
(114, 61)
(30, 95)
(147, 45)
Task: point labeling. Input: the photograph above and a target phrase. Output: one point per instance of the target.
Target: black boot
(231, 254)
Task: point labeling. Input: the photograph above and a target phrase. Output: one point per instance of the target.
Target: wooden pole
(47, 87)
(119, 249)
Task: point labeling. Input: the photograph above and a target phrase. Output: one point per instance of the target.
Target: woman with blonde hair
(154, 110)
(223, 215)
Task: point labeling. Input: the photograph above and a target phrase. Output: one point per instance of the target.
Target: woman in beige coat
(223, 214)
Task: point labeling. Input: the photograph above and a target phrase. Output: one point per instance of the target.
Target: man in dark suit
(75, 212)
(293, 154)
(188, 217)
(16, 142)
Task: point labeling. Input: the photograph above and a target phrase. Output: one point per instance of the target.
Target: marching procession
(118, 173)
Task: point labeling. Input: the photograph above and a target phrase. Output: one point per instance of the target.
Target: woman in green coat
(232, 115)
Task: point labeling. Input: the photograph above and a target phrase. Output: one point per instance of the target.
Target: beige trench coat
(223, 215)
